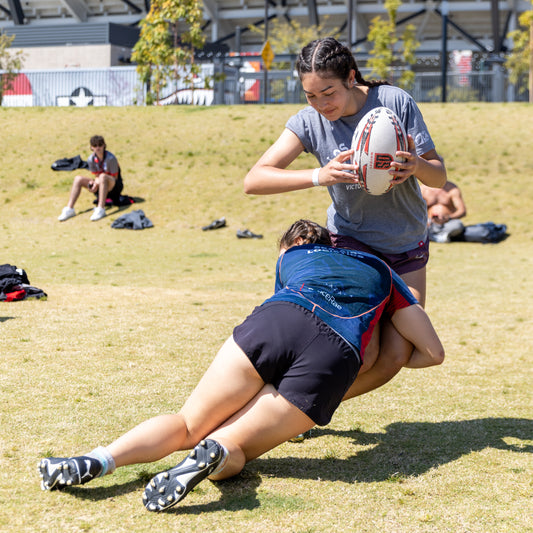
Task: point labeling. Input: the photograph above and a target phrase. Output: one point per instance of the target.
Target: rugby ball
(377, 138)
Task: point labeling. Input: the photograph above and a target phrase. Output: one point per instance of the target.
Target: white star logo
(82, 99)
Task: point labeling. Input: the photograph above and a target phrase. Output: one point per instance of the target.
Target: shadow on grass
(114, 209)
(237, 493)
(404, 450)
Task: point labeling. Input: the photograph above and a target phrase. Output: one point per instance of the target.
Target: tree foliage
(519, 60)
(384, 54)
(165, 49)
(289, 36)
(10, 64)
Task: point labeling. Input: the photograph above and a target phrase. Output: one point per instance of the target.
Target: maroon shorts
(401, 263)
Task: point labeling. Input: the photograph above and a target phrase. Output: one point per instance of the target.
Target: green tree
(10, 64)
(384, 54)
(289, 37)
(520, 61)
(164, 51)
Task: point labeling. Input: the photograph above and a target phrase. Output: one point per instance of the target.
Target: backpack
(486, 232)
(15, 285)
(11, 276)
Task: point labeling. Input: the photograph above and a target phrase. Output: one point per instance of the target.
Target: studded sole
(58, 473)
(168, 488)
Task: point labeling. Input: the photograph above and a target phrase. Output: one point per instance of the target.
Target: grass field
(133, 318)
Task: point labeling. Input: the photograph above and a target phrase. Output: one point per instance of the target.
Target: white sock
(102, 455)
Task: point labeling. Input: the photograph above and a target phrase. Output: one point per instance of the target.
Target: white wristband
(314, 179)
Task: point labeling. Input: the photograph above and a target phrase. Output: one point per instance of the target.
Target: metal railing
(120, 86)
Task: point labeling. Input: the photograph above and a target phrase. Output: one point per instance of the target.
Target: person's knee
(106, 183)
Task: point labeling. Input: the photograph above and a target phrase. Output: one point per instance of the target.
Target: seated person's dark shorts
(306, 361)
(117, 189)
(114, 194)
(401, 263)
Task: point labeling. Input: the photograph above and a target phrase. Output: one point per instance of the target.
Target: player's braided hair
(310, 233)
(330, 59)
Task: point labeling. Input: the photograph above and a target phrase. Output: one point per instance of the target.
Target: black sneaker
(247, 234)
(219, 223)
(169, 487)
(60, 472)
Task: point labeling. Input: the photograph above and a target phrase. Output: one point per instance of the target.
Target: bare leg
(226, 387)
(416, 281)
(79, 182)
(371, 351)
(262, 424)
(105, 186)
(395, 351)
(228, 384)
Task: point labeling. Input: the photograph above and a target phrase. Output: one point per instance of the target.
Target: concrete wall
(73, 56)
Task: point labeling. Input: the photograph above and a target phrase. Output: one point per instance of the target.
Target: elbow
(438, 357)
(249, 186)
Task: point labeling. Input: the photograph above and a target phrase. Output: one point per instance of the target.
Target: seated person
(283, 370)
(445, 207)
(105, 183)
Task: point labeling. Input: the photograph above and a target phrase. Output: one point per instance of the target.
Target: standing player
(393, 226)
(284, 369)
(106, 181)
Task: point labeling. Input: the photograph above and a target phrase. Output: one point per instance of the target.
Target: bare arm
(414, 324)
(459, 207)
(270, 175)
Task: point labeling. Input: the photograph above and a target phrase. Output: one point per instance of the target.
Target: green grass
(133, 318)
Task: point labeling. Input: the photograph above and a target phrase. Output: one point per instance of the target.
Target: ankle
(102, 455)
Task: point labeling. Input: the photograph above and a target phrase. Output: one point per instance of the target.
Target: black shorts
(307, 362)
(114, 194)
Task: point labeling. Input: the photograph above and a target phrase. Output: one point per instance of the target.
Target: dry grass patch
(133, 319)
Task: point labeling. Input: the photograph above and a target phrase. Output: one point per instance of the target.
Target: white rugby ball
(377, 138)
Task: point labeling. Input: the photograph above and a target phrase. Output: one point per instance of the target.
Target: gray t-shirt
(394, 222)
(109, 164)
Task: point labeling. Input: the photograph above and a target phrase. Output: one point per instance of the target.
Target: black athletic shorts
(117, 189)
(307, 362)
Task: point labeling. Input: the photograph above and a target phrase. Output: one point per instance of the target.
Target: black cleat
(61, 472)
(169, 487)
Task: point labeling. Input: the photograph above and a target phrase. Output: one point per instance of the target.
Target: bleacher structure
(79, 37)
(477, 25)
